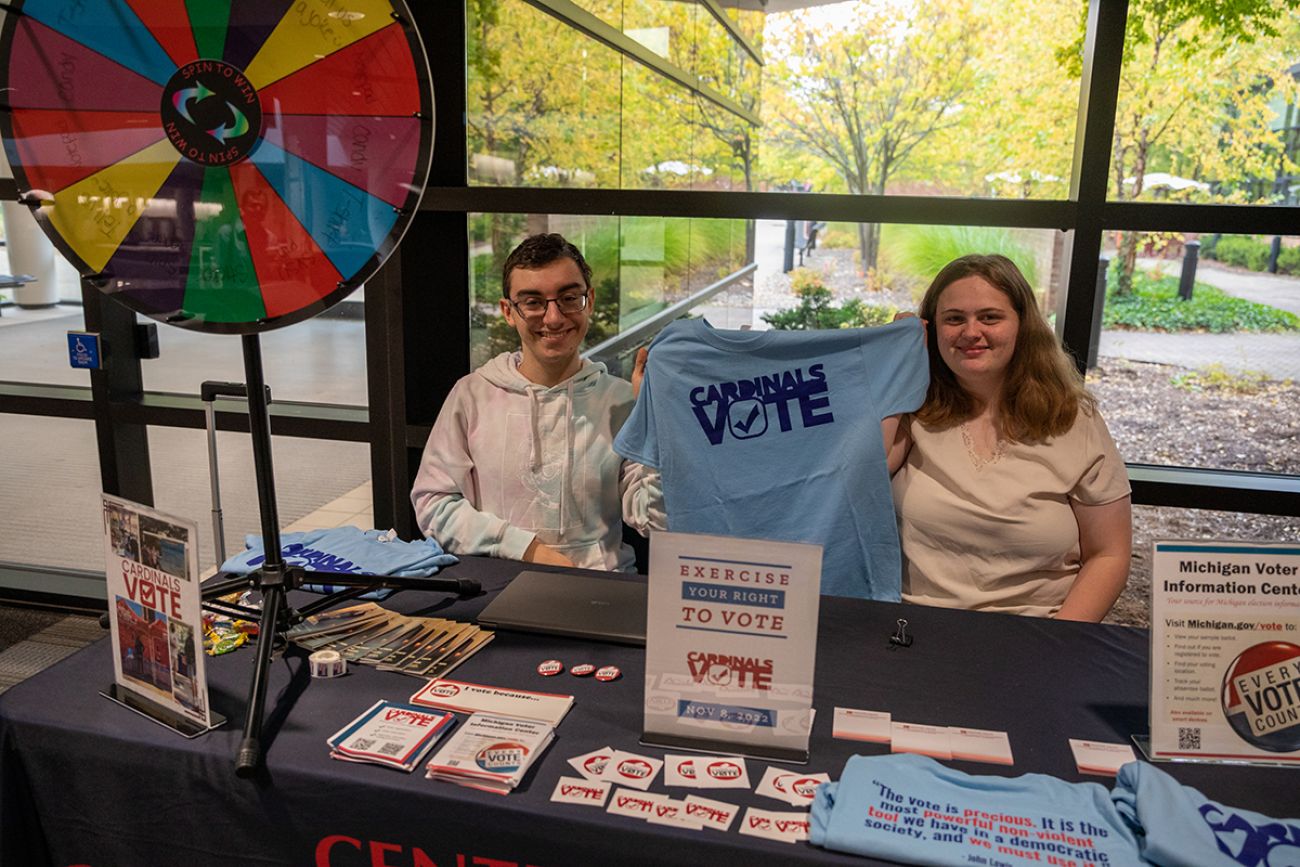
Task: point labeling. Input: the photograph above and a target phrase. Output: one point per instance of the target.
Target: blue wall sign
(83, 349)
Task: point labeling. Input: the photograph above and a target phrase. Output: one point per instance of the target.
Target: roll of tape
(327, 663)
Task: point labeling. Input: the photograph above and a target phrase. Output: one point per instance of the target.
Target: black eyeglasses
(533, 307)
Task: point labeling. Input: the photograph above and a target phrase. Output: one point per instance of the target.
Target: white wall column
(30, 252)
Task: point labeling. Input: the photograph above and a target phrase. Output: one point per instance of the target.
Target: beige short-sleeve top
(1000, 535)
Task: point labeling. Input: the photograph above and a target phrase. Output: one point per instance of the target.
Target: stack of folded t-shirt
(346, 550)
(913, 810)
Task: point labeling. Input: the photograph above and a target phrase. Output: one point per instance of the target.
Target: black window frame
(417, 307)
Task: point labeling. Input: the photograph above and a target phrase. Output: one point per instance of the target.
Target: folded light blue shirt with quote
(914, 810)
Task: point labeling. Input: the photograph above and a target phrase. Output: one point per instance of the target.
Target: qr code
(363, 744)
(1189, 738)
(391, 749)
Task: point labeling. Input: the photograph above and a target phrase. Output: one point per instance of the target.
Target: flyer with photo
(731, 632)
(1225, 652)
(154, 607)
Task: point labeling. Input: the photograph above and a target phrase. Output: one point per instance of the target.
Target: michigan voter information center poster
(1225, 652)
(731, 637)
(155, 607)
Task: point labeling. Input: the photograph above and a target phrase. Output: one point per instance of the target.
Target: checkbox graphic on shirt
(747, 419)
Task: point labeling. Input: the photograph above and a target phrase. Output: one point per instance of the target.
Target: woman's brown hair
(1043, 391)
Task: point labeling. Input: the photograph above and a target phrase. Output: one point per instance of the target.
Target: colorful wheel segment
(229, 166)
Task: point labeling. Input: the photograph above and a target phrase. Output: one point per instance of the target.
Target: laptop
(576, 606)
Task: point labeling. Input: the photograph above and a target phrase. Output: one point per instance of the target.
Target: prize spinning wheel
(229, 166)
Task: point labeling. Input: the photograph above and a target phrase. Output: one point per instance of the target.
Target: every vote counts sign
(1225, 652)
(731, 635)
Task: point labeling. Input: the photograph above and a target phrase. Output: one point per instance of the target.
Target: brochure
(492, 753)
(391, 734)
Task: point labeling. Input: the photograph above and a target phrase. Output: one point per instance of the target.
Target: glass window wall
(1208, 106)
(1203, 372)
(640, 266)
(1153, 524)
(579, 113)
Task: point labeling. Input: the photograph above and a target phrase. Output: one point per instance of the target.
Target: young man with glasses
(520, 463)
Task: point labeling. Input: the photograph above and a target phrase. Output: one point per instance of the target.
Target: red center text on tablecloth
(340, 850)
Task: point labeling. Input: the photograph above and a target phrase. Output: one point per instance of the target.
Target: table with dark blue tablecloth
(84, 781)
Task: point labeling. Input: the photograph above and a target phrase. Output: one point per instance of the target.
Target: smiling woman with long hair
(1010, 493)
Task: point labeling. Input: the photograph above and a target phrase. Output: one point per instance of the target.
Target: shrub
(1242, 251)
(815, 310)
(1154, 305)
(921, 251)
(838, 236)
(1288, 261)
(871, 315)
(487, 279)
(805, 280)
(1218, 378)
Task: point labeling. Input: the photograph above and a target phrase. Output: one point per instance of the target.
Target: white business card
(980, 745)
(932, 741)
(579, 790)
(1101, 758)
(861, 725)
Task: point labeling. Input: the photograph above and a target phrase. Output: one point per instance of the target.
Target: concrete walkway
(1277, 355)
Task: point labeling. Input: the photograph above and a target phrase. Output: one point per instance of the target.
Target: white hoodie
(509, 460)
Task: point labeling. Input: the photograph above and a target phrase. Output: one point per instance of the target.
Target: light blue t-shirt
(1182, 826)
(913, 810)
(346, 550)
(776, 435)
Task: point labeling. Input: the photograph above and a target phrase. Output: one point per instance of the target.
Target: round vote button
(582, 670)
(550, 668)
(608, 673)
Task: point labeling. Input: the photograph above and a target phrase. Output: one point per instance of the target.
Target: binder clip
(900, 638)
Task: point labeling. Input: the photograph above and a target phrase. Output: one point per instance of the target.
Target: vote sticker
(802, 787)
(608, 673)
(635, 769)
(724, 770)
(1261, 696)
(504, 757)
(582, 670)
(550, 668)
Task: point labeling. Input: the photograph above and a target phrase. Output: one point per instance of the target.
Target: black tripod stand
(274, 579)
